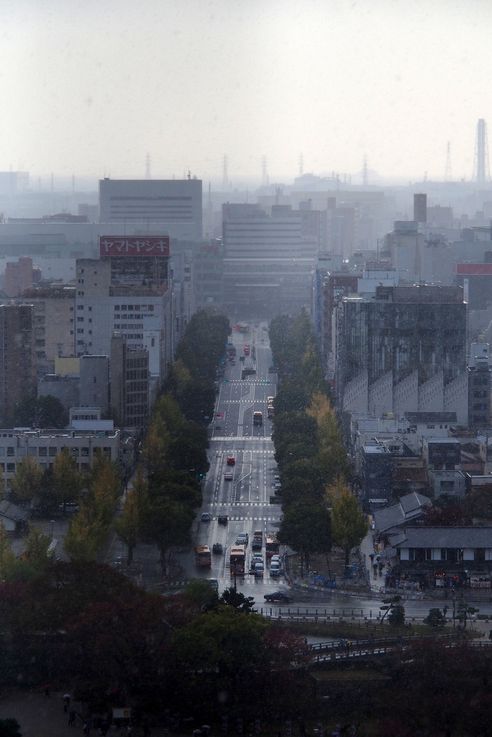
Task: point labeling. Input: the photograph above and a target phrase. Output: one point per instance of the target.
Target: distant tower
(420, 208)
(481, 172)
(301, 165)
(264, 172)
(148, 173)
(225, 173)
(365, 177)
(448, 174)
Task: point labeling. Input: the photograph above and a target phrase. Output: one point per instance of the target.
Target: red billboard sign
(474, 269)
(122, 245)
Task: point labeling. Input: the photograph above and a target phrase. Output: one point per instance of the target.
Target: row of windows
(44, 451)
(136, 308)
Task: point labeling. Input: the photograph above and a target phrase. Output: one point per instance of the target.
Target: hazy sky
(90, 86)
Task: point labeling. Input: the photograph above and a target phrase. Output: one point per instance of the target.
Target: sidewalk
(43, 716)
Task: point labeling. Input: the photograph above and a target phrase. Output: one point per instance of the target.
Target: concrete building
(17, 358)
(479, 387)
(403, 351)
(53, 322)
(175, 205)
(128, 289)
(268, 263)
(129, 370)
(94, 382)
(44, 446)
(419, 256)
(420, 208)
(19, 276)
(63, 388)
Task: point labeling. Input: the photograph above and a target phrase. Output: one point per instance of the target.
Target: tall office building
(403, 351)
(268, 262)
(420, 208)
(127, 290)
(129, 369)
(17, 361)
(175, 205)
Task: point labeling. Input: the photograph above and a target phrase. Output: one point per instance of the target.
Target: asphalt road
(245, 499)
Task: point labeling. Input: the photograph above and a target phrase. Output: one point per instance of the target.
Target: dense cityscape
(245, 417)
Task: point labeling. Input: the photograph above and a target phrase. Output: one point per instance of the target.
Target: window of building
(84, 451)
(10, 451)
(42, 451)
(52, 451)
(10, 467)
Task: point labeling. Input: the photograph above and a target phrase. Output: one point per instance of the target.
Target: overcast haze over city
(89, 87)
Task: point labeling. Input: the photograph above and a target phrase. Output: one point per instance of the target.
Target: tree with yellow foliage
(348, 522)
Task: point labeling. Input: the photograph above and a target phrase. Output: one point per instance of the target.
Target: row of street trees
(166, 492)
(319, 508)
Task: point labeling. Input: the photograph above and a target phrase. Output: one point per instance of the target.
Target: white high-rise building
(175, 205)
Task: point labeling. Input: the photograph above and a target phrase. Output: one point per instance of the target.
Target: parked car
(222, 519)
(278, 597)
(206, 517)
(217, 548)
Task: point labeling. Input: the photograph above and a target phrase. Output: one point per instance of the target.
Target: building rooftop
(447, 537)
(416, 418)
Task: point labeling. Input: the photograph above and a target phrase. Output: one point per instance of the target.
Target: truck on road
(237, 560)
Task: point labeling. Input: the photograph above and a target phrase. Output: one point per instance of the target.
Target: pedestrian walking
(86, 728)
(71, 717)
(66, 702)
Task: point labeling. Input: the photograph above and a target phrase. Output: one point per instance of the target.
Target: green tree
(167, 524)
(396, 616)
(237, 599)
(85, 536)
(10, 728)
(348, 522)
(436, 618)
(37, 549)
(307, 529)
(104, 488)
(7, 557)
(66, 479)
(128, 524)
(44, 411)
(28, 480)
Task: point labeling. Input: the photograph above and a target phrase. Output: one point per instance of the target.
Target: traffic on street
(241, 513)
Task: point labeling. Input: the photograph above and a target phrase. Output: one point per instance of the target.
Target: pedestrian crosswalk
(240, 504)
(233, 518)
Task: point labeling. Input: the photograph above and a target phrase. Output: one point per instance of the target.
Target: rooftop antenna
(448, 175)
(148, 173)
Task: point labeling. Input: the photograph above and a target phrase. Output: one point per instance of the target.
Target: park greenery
(319, 509)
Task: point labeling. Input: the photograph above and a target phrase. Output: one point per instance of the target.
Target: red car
(231, 461)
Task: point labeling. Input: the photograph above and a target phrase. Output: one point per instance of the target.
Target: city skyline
(91, 91)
